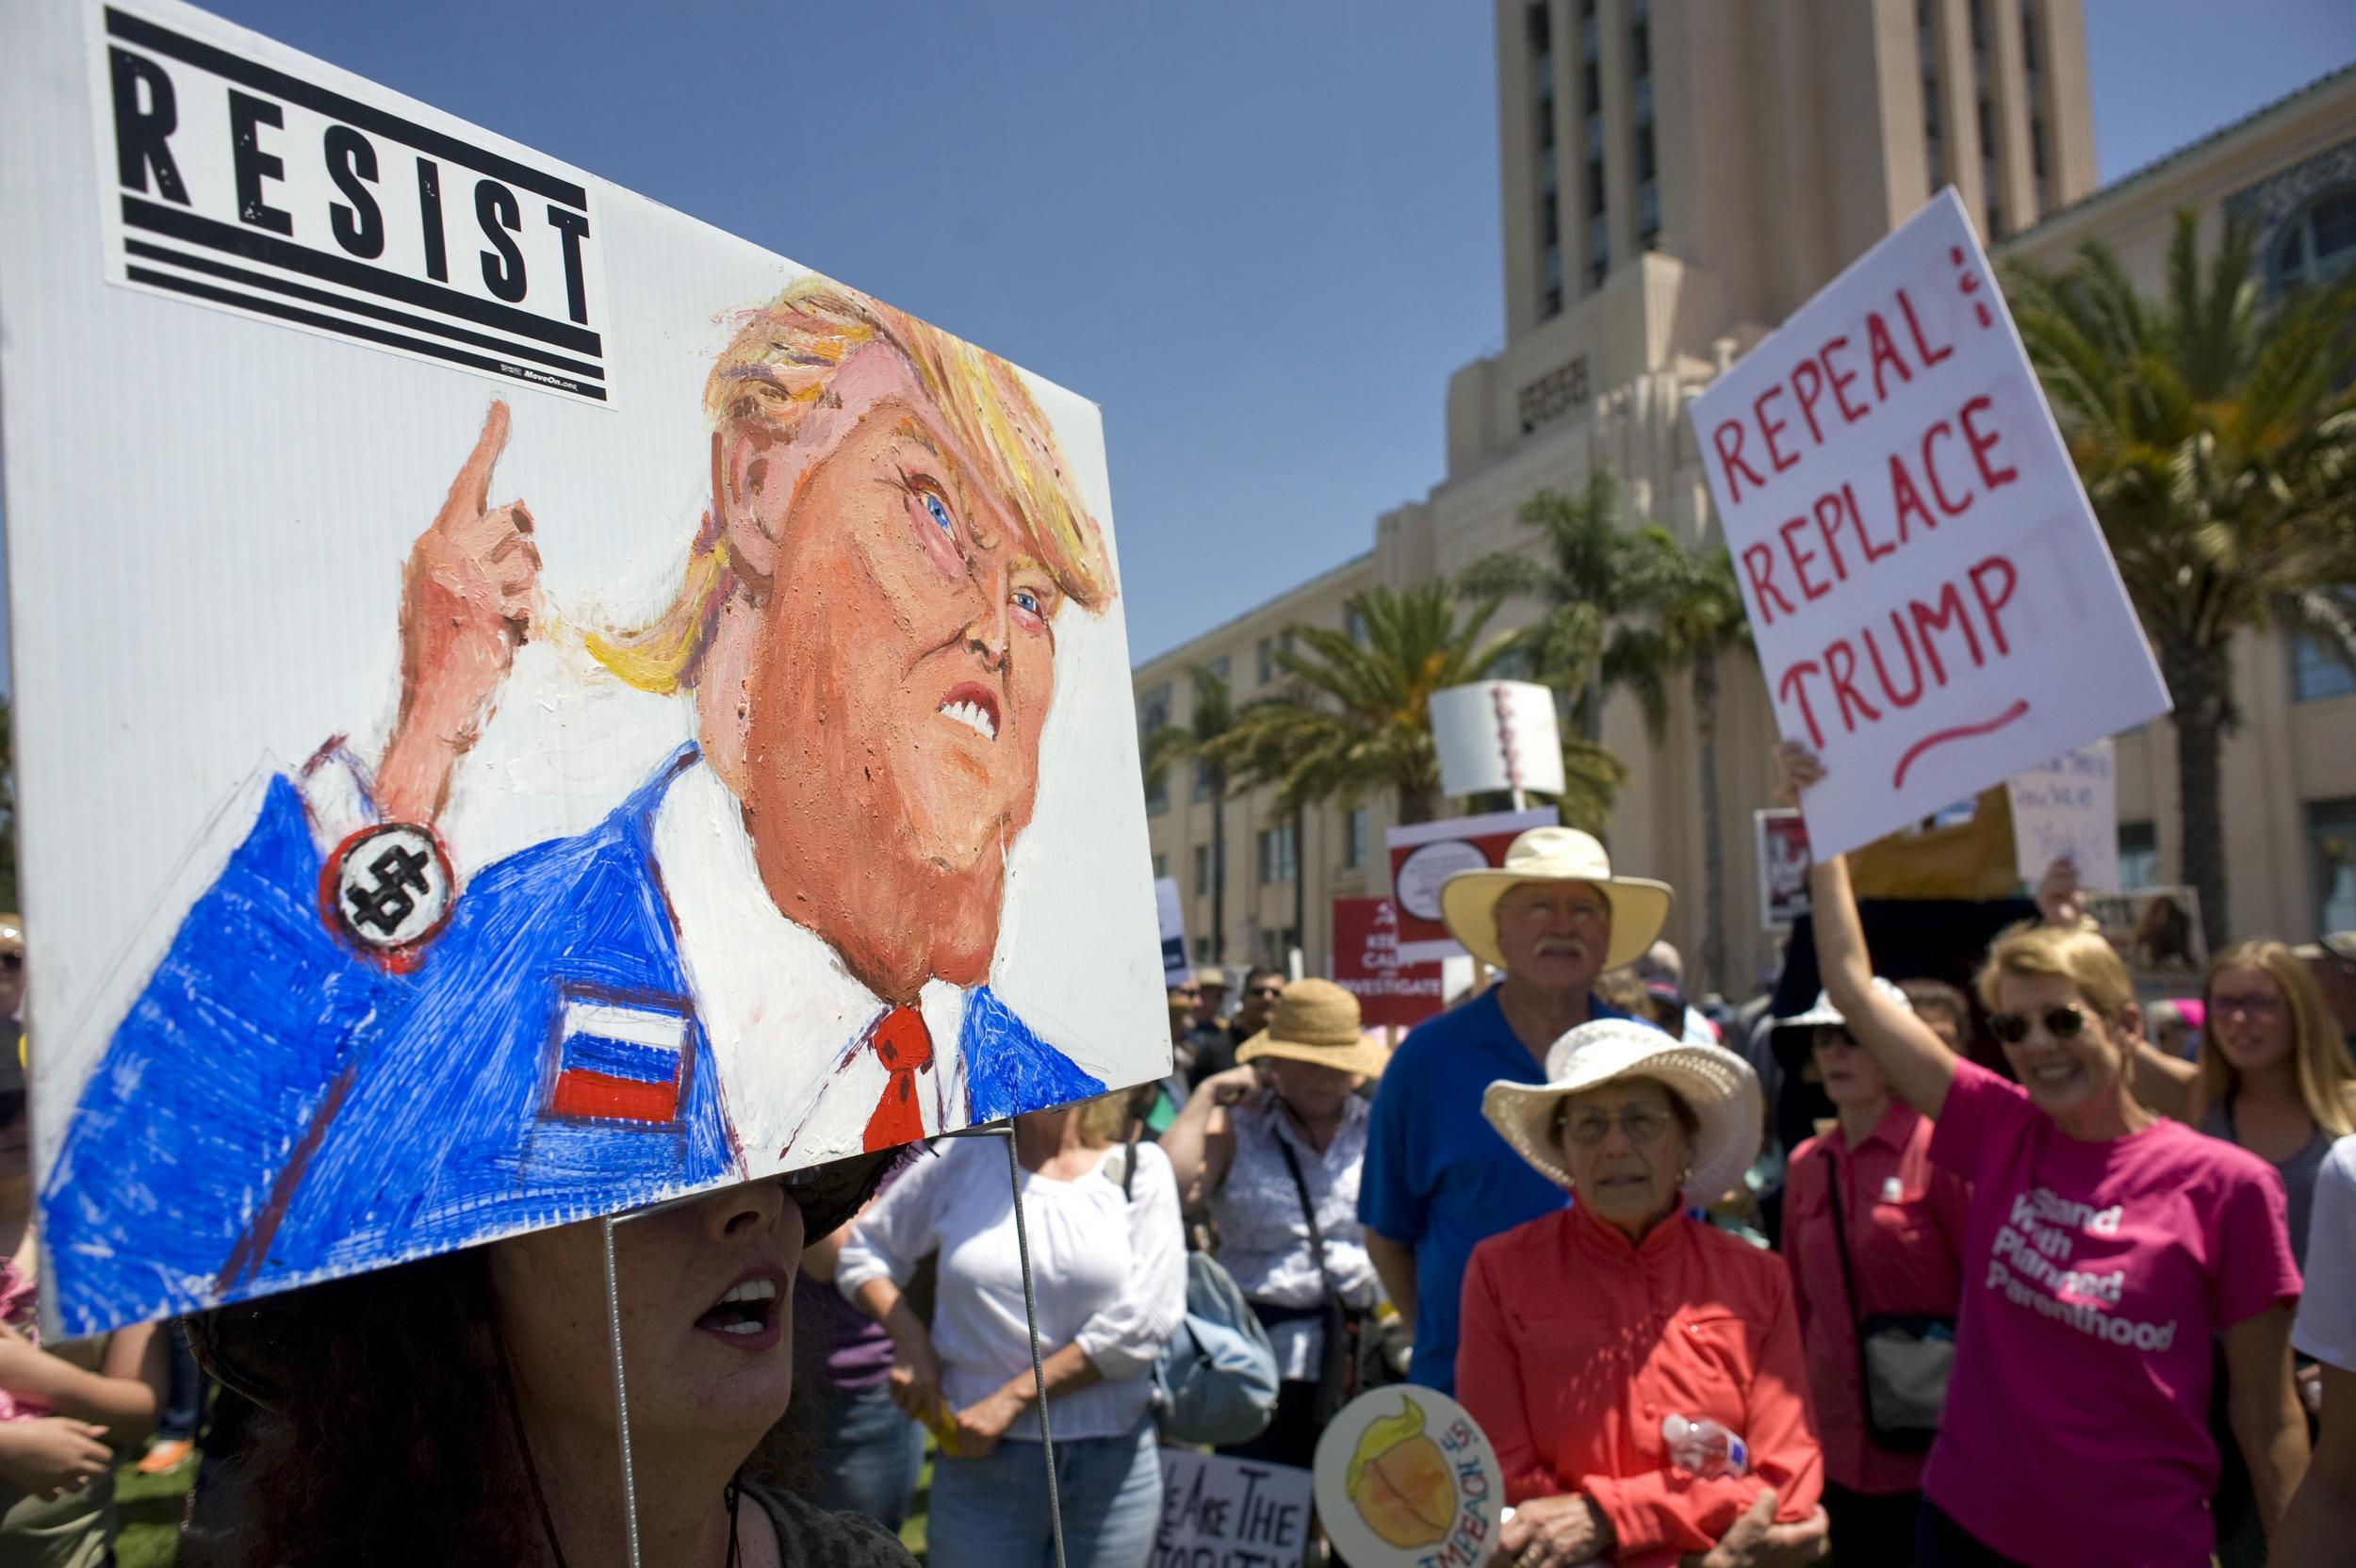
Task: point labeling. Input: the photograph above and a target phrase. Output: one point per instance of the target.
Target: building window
(2319, 241)
(1354, 845)
(1266, 654)
(1279, 855)
(2028, 37)
(1222, 667)
(1598, 254)
(1202, 779)
(1541, 26)
(1205, 865)
(1934, 130)
(1157, 798)
(2138, 856)
(2317, 671)
(2331, 855)
(1161, 867)
(1355, 623)
(1639, 38)
(1594, 190)
(1152, 709)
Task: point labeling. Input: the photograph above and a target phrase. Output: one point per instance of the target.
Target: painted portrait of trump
(775, 948)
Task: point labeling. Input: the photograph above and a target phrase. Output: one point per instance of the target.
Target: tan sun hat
(1717, 1084)
(1316, 1021)
(1468, 899)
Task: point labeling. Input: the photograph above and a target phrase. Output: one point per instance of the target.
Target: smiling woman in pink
(2107, 1249)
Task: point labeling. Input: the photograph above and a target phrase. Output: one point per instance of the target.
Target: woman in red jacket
(1589, 1335)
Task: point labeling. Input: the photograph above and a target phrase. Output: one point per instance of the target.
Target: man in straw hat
(1438, 1179)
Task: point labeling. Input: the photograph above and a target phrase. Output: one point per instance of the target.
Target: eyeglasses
(2249, 1006)
(1829, 1034)
(2063, 1023)
(1641, 1123)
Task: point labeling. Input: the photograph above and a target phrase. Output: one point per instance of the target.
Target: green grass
(148, 1508)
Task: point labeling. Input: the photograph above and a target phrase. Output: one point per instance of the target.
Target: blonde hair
(1104, 1119)
(2080, 957)
(779, 367)
(2326, 1075)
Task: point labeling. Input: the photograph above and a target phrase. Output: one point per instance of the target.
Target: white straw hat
(1793, 1037)
(1717, 1084)
(1468, 899)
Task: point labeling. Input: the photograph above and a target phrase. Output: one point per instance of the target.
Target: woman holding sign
(2106, 1248)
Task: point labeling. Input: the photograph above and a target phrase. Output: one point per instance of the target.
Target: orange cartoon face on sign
(1405, 1474)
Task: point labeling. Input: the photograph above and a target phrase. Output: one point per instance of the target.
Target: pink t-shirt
(17, 1293)
(2095, 1277)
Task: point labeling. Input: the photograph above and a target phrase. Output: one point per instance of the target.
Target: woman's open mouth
(748, 1316)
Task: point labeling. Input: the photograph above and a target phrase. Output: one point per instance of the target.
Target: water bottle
(1703, 1448)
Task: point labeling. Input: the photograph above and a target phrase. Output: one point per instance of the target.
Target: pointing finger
(470, 491)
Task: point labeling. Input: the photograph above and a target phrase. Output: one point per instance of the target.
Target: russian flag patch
(619, 1063)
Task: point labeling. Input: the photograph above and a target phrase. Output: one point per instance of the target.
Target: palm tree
(2216, 438)
(1359, 718)
(1580, 645)
(1211, 716)
(1694, 615)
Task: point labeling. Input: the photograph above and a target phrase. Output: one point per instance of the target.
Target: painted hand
(469, 595)
(1796, 768)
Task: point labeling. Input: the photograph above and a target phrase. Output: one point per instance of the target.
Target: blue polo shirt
(1437, 1177)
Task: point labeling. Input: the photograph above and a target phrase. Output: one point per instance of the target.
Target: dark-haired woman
(460, 1410)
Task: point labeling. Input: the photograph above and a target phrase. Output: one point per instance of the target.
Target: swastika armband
(388, 891)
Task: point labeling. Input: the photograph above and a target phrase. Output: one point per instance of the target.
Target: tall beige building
(1678, 175)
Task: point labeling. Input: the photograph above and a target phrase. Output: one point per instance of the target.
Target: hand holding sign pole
(1916, 555)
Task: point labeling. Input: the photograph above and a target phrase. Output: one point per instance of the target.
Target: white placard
(2066, 809)
(482, 761)
(1424, 854)
(1406, 1479)
(1497, 735)
(1223, 1513)
(1932, 603)
(1173, 924)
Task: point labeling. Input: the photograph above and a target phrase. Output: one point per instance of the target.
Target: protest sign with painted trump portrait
(525, 705)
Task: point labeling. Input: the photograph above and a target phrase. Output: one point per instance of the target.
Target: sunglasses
(1641, 1123)
(1267, 994)
(2063, 1023)
(11, 961)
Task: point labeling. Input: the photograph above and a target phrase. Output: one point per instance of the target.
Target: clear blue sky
(1260, 233)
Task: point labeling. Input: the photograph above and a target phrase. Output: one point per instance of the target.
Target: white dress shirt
(1108, 1274)
(787, 1025)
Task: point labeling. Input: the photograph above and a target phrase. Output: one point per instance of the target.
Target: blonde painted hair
(2080, 957)
(2327, 1077)
(778, 367)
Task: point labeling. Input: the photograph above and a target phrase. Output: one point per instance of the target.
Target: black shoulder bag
(1343, 1369)
(1903, 1359)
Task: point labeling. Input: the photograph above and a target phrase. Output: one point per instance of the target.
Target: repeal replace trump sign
(1932, 601)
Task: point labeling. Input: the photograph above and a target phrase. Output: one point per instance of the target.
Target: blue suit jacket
(278, 1108)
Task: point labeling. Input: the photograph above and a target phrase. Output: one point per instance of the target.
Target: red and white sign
(1425, 855)
(1780, 842)
(1497, 735)
(1932, 603)
(1366, 964)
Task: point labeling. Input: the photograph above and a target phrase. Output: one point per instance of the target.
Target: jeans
(991, 1512)
(867, 1453)
(183, 1399)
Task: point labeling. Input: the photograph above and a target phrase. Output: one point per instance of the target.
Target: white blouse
(1109, 1274)
(1264, 1237)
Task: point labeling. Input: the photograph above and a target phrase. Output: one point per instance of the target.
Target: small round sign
(1417, 885)
(387, 888)
(1404, 1476)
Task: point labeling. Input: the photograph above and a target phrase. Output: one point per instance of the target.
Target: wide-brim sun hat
(1792, 1037)
(1317, 1021)
(1468, 899)
(1718, 1084)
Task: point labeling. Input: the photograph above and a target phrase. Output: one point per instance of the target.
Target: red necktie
(904, 1047)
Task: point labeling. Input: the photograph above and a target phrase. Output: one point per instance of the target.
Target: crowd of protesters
(2039, 1274)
